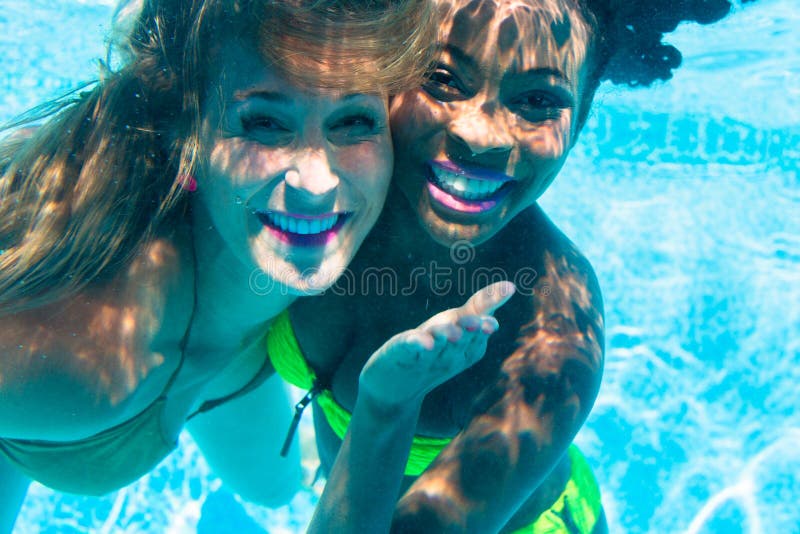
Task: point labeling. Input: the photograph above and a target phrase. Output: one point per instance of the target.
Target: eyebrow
(272, 96)
(463, 57)
(459, 55)
(547, 71)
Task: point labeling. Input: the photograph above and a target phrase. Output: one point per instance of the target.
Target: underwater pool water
(684, 196)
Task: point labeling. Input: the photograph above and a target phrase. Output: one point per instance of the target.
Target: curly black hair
(630, 35)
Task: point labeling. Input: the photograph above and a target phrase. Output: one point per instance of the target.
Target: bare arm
(523, 422)
(364, 483)
(78, 366)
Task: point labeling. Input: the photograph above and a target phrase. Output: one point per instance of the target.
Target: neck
(228, 309)
(409, 242)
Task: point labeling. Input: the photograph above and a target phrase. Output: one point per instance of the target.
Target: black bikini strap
(263, 374)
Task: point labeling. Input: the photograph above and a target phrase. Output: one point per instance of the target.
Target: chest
(339, 333)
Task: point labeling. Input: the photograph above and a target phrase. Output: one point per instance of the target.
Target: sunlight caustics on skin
(664, 170)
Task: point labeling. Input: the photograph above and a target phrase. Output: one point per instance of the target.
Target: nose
(481, 132)
(311, 176)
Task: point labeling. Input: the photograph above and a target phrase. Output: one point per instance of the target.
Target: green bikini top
(291, 365)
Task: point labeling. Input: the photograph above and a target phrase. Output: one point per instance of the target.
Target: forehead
(525, 34)
(233, 63)
(241, 74)
(239, 68)
(236, 66)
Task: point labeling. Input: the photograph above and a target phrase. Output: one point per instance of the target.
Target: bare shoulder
(554, 322)
(77, 366)
(556, 317)
(544, 259)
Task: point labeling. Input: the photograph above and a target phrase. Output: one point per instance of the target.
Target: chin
(301, 286)
(288, 278)
(323, 277)
(448, 232)
(298, 290)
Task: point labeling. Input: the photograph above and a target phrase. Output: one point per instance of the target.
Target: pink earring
(188, 182)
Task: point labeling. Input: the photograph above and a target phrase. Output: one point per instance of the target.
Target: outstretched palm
(414, 362)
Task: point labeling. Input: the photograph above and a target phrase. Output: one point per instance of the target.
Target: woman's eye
(539, 106)
(443, 77)
(356, 124)
(265, 129)
(354, 127)
(260, 122)
(443, 85)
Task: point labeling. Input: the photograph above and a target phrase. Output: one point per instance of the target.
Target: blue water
(685, 197)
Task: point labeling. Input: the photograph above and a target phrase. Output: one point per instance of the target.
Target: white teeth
(460, 185)
(466, 188)
(297, 225)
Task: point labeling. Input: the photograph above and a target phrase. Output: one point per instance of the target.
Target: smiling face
(293, 180)
(485, 136)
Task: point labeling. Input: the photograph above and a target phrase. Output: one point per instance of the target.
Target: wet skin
(501, 106)
(534, 387)
(499, 110)
(183, 320)
(294, 180)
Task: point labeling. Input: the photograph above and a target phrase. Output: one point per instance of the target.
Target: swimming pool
(685, 197)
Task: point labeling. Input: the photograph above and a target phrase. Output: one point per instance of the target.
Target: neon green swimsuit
(578, 506)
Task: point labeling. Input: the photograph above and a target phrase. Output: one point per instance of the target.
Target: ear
(187, 182)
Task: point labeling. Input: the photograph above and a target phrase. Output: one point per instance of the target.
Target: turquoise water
(686, 199)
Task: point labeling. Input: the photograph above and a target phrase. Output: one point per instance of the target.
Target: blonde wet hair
(86, 188)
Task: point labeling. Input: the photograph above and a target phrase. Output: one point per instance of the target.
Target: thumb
(485, 301)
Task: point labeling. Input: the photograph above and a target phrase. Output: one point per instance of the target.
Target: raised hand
(365, 479)
(414, 362)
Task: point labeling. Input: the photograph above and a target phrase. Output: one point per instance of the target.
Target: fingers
(471, 323)
(432, 338)
(414, 362)
(475, 348)
(458, 346)
(485, 301)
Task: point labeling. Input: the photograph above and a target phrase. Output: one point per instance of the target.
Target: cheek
(244, 163)
(413, 116)
(369, 163)
(546, 142)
